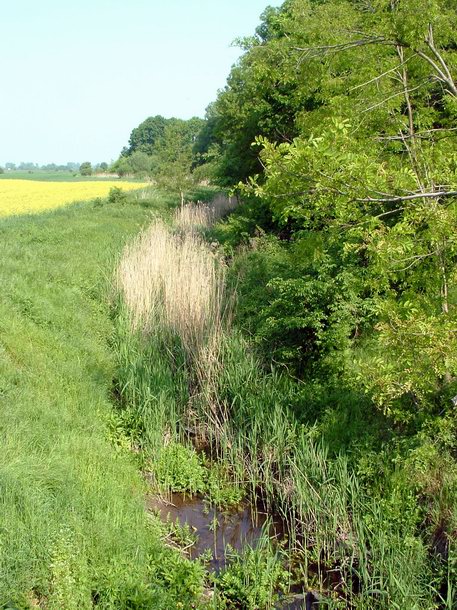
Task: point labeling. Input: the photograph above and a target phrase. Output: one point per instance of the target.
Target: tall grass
(73, 529)
(176, 284)
(194, 218)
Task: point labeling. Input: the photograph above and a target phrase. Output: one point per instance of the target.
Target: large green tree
(85, 169)
(145, 137)
(162, 149)
(353, 107)
(260, 98)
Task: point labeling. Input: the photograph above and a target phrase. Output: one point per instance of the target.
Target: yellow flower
(24, 196)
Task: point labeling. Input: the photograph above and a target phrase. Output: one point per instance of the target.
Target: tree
(145, 137)
(122, 167)
(174, 154)
(141, 163)
(261, 98)
(85, 169)
(373, 171)
(27, 166)
(163, 149)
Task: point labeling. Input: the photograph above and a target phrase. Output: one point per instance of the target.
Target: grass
(74, 533)
(52, 176)
(195, 218)
(174, 282)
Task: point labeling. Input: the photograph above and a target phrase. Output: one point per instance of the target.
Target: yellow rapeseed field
(24, 196)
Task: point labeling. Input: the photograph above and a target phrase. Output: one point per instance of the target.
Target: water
(215, 529)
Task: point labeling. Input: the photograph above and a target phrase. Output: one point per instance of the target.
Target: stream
(215, 530)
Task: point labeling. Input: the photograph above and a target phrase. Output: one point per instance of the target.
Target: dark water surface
(215, 530)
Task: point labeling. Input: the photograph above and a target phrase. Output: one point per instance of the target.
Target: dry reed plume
(174, 282)
(195, 217)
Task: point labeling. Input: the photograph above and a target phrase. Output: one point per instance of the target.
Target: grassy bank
(74, 533)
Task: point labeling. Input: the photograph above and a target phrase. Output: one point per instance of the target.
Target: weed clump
(117, 195)
(179, 468)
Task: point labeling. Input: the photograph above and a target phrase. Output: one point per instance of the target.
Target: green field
(72, 519)
(47, 176)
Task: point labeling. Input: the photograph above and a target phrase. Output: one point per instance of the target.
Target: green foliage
(351, 127)
(183, 579)
(145, 137)
(85, 169)
(117, 195)
(138, 163)
(220, 489)
(300, 306)
(179, 468)
(162, 148)
(122, 167)
(69, 587)
(253, 580)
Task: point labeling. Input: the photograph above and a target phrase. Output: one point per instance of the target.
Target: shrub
(254, 579)
(179, 468)
(117, 195)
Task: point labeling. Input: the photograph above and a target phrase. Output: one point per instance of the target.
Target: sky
(77, 77)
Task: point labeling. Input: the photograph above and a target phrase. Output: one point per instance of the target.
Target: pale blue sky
(76, 77)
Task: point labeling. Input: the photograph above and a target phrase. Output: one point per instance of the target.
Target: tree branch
(393, 96)
(376, 78)
(400, 198)
(418, 134)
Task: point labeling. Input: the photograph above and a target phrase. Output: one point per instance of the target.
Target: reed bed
(193, 218)
(175, 283)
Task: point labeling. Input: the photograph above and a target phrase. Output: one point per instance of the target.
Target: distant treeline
(53, 167)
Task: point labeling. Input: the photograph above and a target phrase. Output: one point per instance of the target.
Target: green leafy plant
(253, 579)
(179, 468)
(117, 195)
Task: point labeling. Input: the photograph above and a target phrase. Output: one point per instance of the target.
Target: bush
(123, 167)
(179, 468)
(254, 580)
(117, 195)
